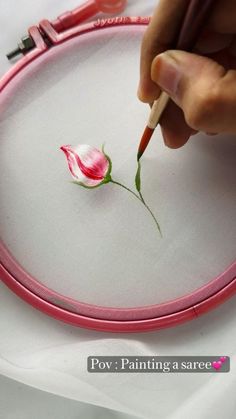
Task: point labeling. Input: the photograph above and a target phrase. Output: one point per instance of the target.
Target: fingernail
(167, 74)
(148, 91)
(143, 89)
(139, 92)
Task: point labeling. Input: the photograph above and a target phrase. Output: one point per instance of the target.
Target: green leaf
(138, 178)
(108, 174)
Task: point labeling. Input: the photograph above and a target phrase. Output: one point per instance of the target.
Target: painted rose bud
(89, 166)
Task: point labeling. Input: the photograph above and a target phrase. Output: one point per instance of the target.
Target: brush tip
(139, 155)
(147, 134)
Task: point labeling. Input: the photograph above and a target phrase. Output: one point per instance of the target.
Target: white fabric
(19, 401)
(51, 356)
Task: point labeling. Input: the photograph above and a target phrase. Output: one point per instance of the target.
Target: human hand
(202, 84)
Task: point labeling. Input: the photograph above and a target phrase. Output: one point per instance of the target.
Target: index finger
(159, 36)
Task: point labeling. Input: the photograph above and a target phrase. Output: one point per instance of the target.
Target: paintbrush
(196, 16)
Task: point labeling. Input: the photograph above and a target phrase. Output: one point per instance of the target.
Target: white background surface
(51, 356)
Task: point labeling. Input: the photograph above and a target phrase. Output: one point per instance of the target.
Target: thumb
(204, 90)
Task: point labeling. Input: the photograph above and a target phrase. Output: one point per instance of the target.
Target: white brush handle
(157, 109)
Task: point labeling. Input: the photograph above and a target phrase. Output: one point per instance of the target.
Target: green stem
(149, 209)
(140, 198)
(127, 189)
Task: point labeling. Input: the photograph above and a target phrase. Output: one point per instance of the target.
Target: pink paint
(74, 312)
(86, 163)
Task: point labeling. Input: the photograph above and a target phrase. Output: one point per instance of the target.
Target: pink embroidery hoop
(85, 315)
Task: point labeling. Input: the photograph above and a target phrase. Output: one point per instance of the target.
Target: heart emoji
(216, 364)
(223, 358)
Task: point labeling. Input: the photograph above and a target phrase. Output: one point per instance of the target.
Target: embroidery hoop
(85, 315)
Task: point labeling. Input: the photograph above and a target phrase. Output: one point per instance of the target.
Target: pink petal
(92, 161)
(87, 164)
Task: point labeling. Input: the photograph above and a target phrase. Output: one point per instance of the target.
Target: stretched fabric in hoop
(202, 297)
